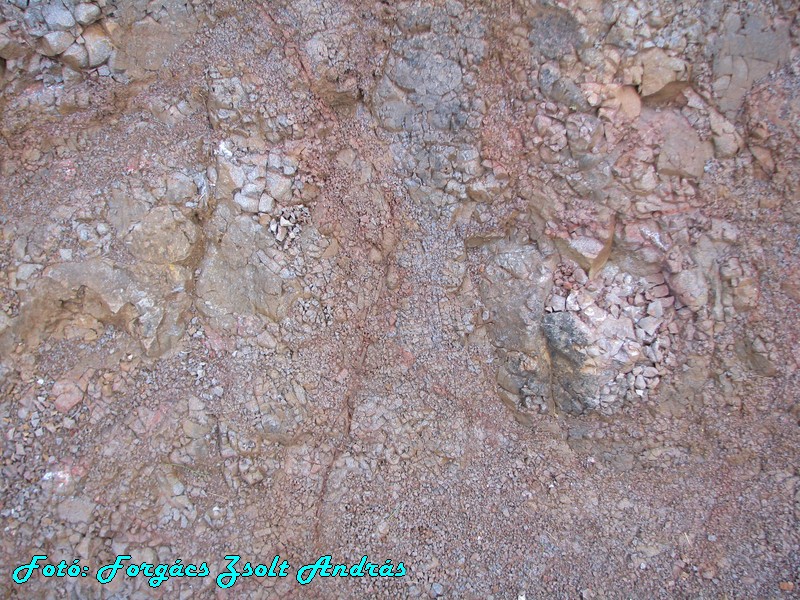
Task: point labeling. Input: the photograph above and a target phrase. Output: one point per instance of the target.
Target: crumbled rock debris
(505, 291)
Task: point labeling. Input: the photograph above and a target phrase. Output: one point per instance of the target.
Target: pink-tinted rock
(68, 395)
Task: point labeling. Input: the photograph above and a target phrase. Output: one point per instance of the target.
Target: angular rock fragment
(690, 288)
(76, 57)
(67, 395)
(57, 16)
(683, 153)
(659, 70)
(86, 13)
(98, 45)
(180, 188)
(148, 43)
(76, 510)
(56, 42)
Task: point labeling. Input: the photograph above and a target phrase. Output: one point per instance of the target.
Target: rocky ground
(507, 291)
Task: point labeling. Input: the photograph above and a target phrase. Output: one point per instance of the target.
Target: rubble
(421, 280)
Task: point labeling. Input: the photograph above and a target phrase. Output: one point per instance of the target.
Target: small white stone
(572, 303)
(558, 303)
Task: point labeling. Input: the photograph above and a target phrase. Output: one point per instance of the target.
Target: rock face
(747, 50)
(148, 302)
(163, 237)
(683, 153)
(429, 281)
(237, 275)
(659, 70)
(149, 42)
(553, 33)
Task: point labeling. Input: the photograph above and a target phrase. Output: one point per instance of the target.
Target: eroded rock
(683, 153)
(98, 45)
(163, 237)
(748, 49)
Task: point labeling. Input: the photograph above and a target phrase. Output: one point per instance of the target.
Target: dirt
(505, 292)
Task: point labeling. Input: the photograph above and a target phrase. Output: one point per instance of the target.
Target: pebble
(266, 204)
(248, 204)
(572, 303)
(650, 372)
(27, 270)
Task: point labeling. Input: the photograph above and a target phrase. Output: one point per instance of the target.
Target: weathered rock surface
(164, 236)
(746, 50)
(430, 281)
